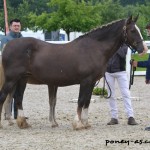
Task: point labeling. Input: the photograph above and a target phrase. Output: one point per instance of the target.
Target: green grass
(140, 58)
(99, 91)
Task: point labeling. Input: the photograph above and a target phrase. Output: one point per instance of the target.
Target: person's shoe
(131, 121)
(147, 128)
(113, 121)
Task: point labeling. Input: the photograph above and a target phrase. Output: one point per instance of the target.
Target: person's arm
(4, 41)
(142, 64)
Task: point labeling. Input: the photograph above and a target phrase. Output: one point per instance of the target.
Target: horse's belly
(57, 79)
(34, 81)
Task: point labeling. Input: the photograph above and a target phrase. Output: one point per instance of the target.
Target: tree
(39, 6)
(73, 15)
(144, 18)
(110, 11)
(21, 12)
(68, 15)
(131, 2)
(21, 9)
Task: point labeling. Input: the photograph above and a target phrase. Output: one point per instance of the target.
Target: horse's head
(132, 35)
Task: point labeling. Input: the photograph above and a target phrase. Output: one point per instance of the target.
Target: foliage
(74, 15)
(21, 9)
(99, 91)
(131, 2)
(69, 16)
(2, 22)
(109, 9)
(39, 6)
(21, 12)
(144, 17)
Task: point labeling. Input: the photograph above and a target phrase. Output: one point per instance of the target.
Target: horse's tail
(2, 78)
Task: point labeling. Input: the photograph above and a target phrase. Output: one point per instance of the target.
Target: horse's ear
(129, 20)
(136, 18)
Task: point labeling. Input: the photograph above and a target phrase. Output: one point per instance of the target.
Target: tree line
(74, 15)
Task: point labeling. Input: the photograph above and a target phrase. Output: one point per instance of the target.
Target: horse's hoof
(78, 125)
(54, 125)
(87, 126)
(22, 123)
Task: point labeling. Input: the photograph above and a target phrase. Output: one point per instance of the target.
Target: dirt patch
(42, 137)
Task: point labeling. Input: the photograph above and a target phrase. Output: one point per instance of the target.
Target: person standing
(145, 64)
(116, 72)
(15, 32)
(15, 28)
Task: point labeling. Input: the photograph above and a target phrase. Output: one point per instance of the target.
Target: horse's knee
(86, 103)
(80, 103)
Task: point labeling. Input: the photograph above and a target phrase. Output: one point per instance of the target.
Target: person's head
(15, 25)
(148, 29)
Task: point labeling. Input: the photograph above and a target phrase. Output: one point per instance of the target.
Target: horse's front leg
(52, 102)
(81, 119)
(3, 96)
(18, 97)
(6, 89)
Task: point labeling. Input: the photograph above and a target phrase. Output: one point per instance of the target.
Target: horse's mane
(103, 27)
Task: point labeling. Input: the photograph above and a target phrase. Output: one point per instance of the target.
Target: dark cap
(148, 26)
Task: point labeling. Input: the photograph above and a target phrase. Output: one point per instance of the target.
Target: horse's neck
(114, 45)
(112, 40)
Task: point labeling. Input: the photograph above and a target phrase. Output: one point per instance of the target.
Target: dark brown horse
(82, 61)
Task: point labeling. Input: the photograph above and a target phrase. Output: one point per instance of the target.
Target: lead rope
(132, 70)
(103, 93)
(97, 83)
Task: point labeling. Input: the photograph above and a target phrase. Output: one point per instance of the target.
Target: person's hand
(144, 50)
(147, 81)
(134, 63)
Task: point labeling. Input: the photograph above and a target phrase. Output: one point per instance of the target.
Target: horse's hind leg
(81, 119)
(52, 102)
(6, 89)
(18, 97)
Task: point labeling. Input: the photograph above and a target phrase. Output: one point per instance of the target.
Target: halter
(125, 39)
